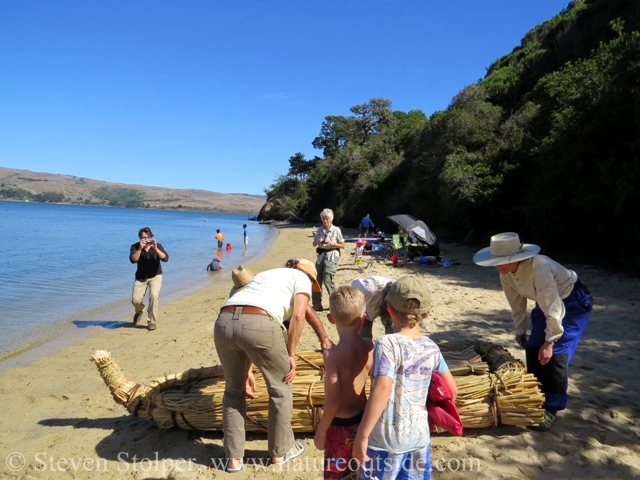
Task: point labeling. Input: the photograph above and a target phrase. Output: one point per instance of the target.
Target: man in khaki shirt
(563, 306)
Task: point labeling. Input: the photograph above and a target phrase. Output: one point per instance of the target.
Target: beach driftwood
(493, 388)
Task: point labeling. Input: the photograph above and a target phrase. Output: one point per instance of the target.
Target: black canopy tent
(423, 240)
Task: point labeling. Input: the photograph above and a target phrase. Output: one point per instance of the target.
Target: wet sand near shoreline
(58, 419)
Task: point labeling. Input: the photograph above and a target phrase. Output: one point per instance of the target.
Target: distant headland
(25, 185)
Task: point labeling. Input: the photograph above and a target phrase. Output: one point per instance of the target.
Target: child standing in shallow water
(393, 438)
(347, 367)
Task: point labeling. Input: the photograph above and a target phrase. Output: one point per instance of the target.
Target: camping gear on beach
(422, 241)
(493, 388)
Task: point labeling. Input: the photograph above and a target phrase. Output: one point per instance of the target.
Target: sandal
(546, 423)
(295, 451)
(229, 469)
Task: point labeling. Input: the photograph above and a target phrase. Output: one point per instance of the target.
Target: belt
(247, 310)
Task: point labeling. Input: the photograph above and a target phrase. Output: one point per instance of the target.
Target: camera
(147, 241)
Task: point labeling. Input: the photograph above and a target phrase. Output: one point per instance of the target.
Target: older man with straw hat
(563, 306)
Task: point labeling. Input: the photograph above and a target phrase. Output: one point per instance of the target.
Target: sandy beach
(58, 419)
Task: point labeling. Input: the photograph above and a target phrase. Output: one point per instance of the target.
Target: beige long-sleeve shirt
(544, 281)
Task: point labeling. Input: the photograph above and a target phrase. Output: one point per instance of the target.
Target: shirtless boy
(347, 367)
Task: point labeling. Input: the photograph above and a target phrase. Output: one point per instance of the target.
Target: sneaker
(546, 423)
(136, 319)
(152, 326)
(295, 451)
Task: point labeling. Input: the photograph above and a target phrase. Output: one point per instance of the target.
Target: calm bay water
(67, 266)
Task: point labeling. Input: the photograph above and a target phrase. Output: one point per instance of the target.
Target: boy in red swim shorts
(347, 366)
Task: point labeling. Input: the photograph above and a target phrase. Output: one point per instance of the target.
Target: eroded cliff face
(271, 210)
(265, 211)
(279, 209)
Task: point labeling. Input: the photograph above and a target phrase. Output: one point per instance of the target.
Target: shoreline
(59, 419)
(66, 332)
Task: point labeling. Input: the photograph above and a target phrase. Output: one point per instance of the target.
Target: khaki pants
(140, 288)
(326, 270)
(239, 337)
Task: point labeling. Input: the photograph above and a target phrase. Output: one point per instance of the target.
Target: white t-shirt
(274, 292)
(409, 362)
(372, 288)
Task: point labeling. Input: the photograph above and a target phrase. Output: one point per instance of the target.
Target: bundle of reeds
(506, 394)
(519, 401)
(496, 356)
(193, 399)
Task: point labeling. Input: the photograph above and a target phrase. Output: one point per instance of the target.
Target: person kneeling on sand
(563, 307)
(393, 437)
(347, 367)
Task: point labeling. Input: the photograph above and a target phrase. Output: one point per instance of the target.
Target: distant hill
(26, 185)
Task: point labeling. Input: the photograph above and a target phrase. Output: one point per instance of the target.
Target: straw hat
(409, 287)
(309, 268)
(505, 248)
(241, 275)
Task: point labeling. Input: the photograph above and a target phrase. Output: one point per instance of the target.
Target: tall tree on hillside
(300, 167)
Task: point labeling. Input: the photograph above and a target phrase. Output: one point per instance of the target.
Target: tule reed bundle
(493, 388)
(505, 394)
(192, 400)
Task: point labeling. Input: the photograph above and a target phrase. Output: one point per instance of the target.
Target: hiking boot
(318, 308)
(152, 326)
(136, 319)
(546, 423)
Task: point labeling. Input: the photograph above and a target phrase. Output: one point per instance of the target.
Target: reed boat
(493, 388)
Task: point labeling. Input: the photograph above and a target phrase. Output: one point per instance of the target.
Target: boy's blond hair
(410, 319)
(346, 305)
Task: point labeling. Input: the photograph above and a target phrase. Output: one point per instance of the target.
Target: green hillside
(547, 145)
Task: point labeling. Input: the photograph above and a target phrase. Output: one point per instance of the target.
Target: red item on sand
(442, 407)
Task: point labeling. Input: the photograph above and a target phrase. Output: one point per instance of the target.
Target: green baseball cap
(409, 287)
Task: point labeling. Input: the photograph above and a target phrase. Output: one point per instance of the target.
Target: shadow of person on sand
(108, 324)
(139, 446)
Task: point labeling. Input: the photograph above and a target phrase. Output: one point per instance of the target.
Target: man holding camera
(148, 254)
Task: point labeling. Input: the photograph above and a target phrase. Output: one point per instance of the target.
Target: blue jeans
(554, 376)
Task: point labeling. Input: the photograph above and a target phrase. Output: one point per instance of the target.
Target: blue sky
(218, 94)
